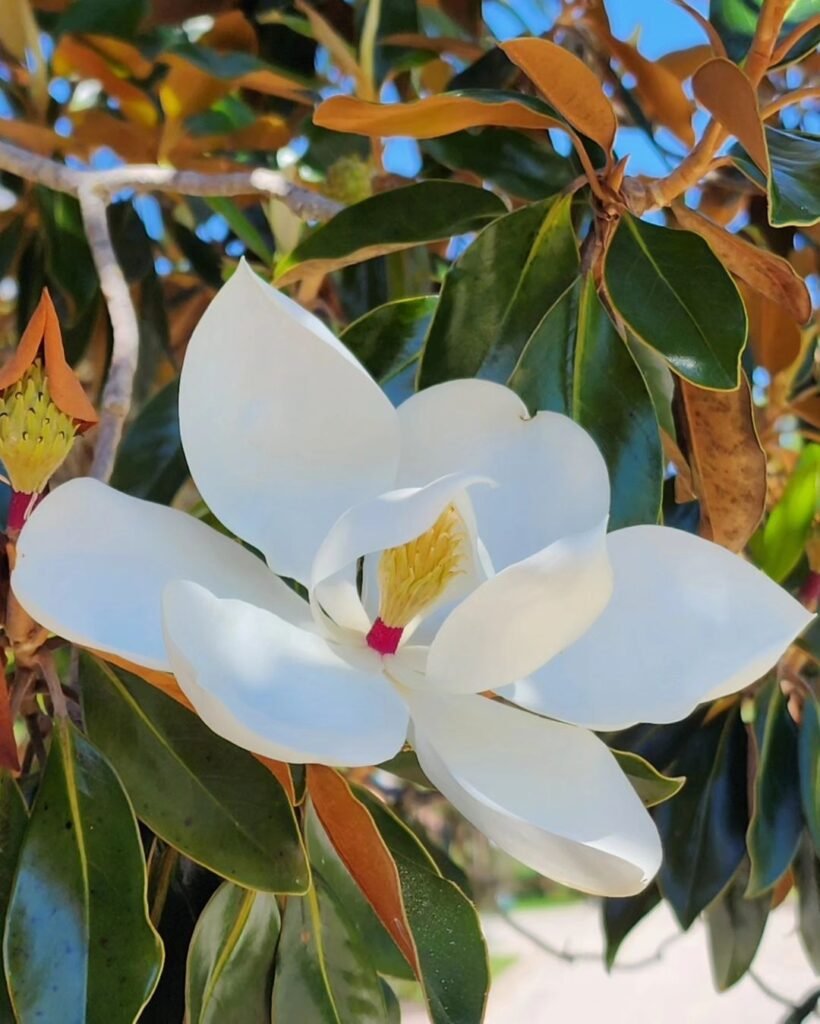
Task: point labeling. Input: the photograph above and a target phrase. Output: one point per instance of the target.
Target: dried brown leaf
(728, 465)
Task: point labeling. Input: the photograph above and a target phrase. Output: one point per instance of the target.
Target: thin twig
(119, 384)
(789, 99)
(151, 178)
(587, 955)
(94, 190)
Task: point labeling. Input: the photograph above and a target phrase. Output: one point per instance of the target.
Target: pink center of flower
(384, 639)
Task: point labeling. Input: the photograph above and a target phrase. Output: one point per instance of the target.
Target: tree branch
(94, 189)
(152, 178)
(119, 384)
(656, 193)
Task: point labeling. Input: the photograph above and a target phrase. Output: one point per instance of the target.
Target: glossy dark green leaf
(806, 869)
(229, 64)
(382, 951)
(777, 822)
(622, 914)
(445, 925)
(736, 21)
(204, 796)
(779, 544)
(498, 291)
(390, 221)
(704, 828)
(406, 766)
(388, 340)
(575, 363)
(675, 295)
(131, 242)
(103, 17)
(69, 264)
(323, 972)
(205, 259)
(13, 818)
(809, 640)
(735, 925)
(794, 182)
(78, 946)
(230, 962)
(809, 765)
(652, 786)
(150, 462)
(517, 163)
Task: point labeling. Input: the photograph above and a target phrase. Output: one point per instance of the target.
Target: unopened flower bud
(349, 179)
(42, 409)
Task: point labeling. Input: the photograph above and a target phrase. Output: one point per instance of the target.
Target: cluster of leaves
(271, 888)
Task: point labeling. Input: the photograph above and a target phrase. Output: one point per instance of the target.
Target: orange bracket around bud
(43, 334)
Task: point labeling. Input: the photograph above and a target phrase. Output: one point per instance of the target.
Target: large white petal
(387, 521)
(92, 564)
(552, 478)
(549, 794)
(688, 621)
(526, 614)
(276, 689)
(282, 428)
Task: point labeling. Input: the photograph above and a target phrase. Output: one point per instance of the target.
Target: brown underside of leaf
(771, 275)
(722, 88)
(358, 842)
(425, 119)
(728, 465)
(568, 84)
(774, 337)
(659, 89)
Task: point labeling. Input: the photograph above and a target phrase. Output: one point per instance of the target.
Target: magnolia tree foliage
(534, 545)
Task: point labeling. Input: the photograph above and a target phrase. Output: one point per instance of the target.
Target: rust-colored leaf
(123, 57)
(659, 90)
(167, 684)
(20, 36)
(95, 128)
(72, 58)
(568, 84)
(768, 274)
(42, 334)
(774, 336)
(428, 118)
(358, 842)
(684, 63)
(34, 137)
(722, 88)
(728, 465)
(339, 49)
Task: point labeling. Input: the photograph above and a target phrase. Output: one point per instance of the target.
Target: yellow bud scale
(35, 436)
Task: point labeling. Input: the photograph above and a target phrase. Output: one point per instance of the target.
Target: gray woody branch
(94, 189)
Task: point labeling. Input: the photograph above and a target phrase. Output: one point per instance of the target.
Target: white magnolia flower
(450, 547)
